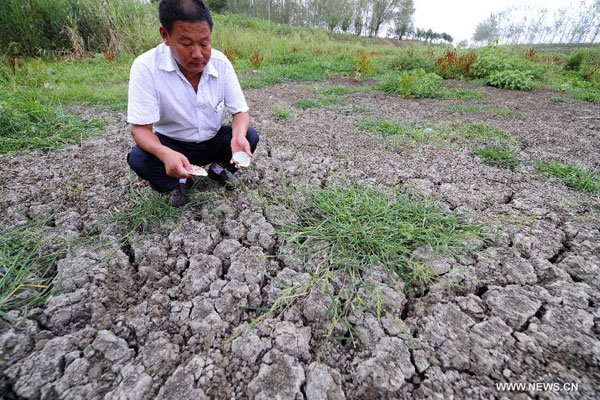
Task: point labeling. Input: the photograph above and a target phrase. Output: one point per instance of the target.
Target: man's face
(190, 45)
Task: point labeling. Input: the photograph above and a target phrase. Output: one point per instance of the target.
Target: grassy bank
(87, 47)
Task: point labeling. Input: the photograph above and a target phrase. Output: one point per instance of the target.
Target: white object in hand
(242, 159)
(198, 171)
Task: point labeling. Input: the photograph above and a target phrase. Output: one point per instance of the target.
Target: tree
(403, 19)
(487, 30)
(381, 11)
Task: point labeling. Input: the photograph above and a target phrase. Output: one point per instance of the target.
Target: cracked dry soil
(150, 319)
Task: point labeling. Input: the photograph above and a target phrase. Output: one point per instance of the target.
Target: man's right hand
(176, 164)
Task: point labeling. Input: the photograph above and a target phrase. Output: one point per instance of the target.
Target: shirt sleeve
(142, 101)
(234, 97)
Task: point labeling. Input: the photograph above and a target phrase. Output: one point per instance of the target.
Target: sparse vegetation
(27, 265)
(305, 104)
(572, 176)
(357, 229)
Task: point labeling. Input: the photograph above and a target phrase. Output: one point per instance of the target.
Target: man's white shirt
(159, 94)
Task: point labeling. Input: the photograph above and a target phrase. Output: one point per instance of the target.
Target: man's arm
(176, 164)
(239, 125)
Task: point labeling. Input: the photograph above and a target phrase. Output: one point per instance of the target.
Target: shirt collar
(169, 64)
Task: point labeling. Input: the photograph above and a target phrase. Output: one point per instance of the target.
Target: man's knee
(252, 137)
(138, 160)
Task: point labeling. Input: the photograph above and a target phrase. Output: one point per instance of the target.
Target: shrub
(514, 80)
(574, 62)
(362, 64)
(414, 84)
(453, 66)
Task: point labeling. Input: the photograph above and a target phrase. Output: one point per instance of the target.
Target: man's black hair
(170, 11)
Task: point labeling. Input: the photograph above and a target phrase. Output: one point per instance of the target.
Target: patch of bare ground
(149, 317)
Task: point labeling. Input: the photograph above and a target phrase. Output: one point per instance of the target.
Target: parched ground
(150, 318)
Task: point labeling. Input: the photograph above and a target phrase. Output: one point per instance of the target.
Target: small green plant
(280, 114)
(498, 156)
(414, 84)
(510, 79)
(413, 60)
(572, 176)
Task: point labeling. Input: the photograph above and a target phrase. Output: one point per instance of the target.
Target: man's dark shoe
(180, 195)
(225, 178)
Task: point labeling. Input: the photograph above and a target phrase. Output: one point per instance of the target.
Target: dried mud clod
(156, 314)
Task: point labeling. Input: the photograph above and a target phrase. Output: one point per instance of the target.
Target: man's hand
(240, 143)
(176, 164)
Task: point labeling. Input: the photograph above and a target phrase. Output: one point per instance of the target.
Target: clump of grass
(398, 132)
(498, 156)
(145, 209)
(572, 176)
(341, 90)
(27, 266)
(305, 104)
(463, 109)
(558, 99)
(280, 114)
(358, 110)
(474, 131)
(357, 228)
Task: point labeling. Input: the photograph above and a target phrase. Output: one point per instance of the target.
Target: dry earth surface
(150, 318)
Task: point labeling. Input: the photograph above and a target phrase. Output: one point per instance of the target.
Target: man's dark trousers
(217, 149)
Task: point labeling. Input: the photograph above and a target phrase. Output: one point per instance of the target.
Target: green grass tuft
(498, 156)
(572, 176)
(360, 232)
(280, 114)
(305, 104)
(27, 265)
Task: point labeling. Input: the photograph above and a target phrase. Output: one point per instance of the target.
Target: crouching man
(178, 92)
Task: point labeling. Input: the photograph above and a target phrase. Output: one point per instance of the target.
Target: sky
(459, 18)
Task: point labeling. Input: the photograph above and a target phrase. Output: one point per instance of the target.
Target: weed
(498, 156)
(280, 114)
(463, 109)
(341, 90)
(572, 176)
(477, 109)
(453, 66)
(305, 104)
(363, 64)
(27, 265)
(398, 132)
(558, 99)
(359, 230)
(256, 59)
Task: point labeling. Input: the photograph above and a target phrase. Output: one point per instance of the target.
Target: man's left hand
(240, 143)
